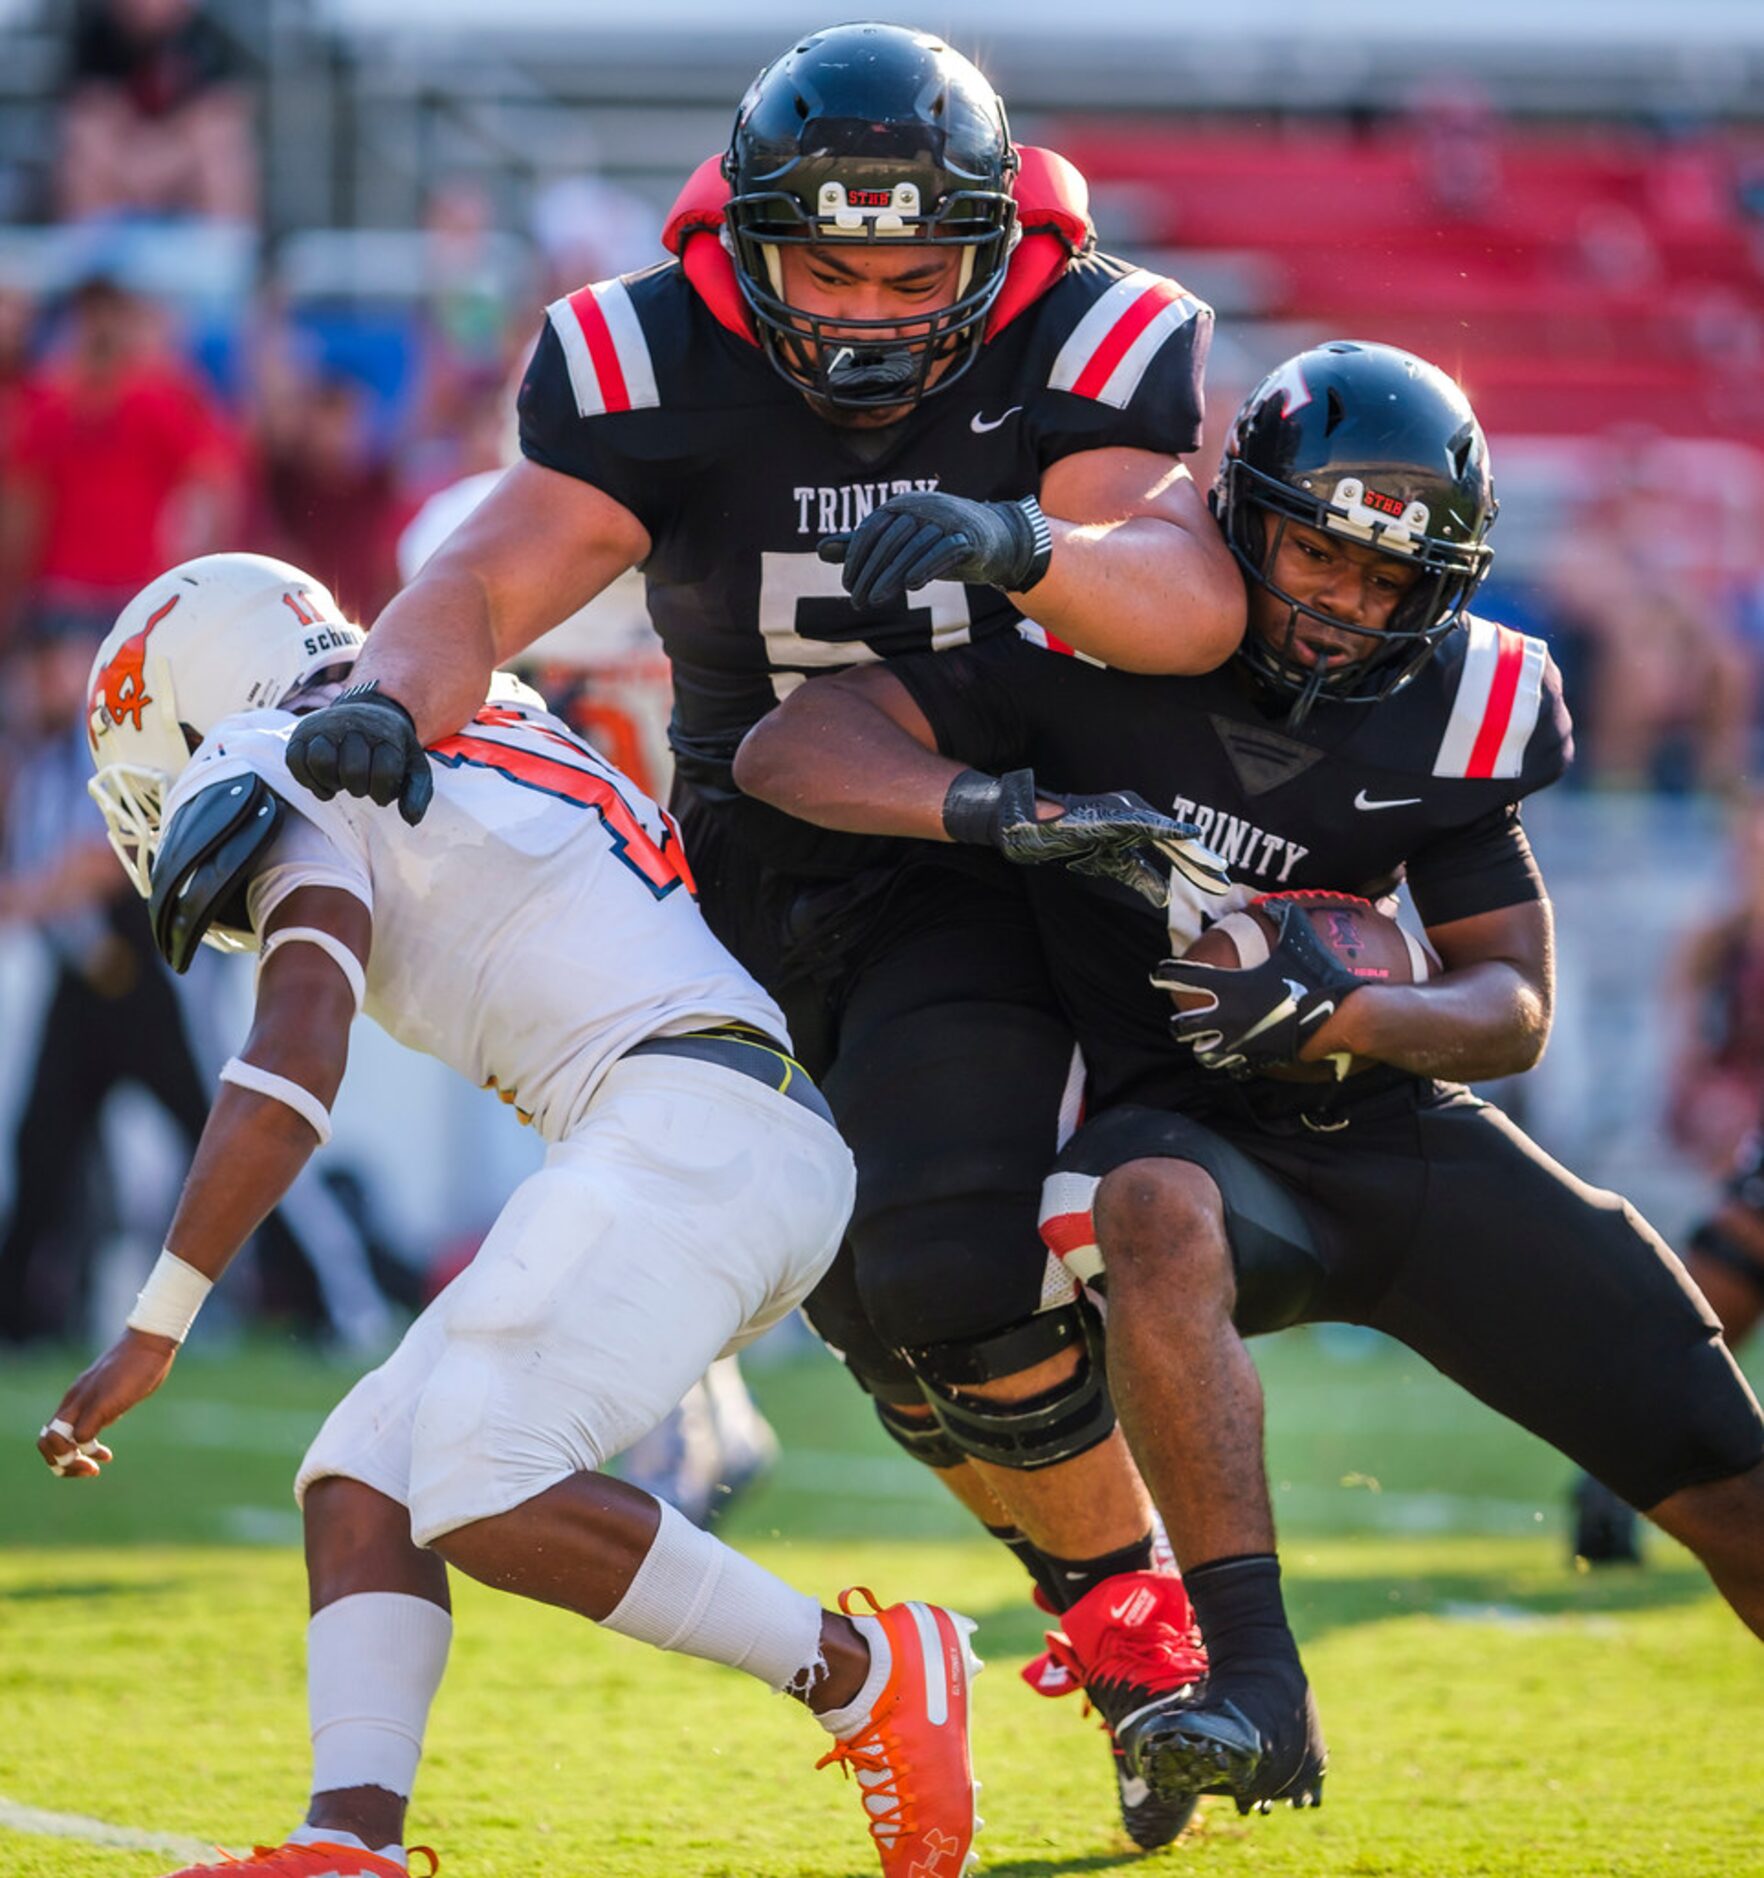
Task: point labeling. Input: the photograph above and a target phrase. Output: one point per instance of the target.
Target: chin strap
(1308, 696)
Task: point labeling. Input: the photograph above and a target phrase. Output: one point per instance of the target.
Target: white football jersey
(538, 923)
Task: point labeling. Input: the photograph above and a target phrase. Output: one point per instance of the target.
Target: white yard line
(33, 1819)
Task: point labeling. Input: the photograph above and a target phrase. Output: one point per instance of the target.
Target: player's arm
(1117, 556)
(1485, 1016)
(539, 547)
(256, 1140)
(1138, 575)
(852, 751)
(856, 751)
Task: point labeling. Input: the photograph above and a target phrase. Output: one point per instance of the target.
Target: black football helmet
(1376, 445)
(871, 133)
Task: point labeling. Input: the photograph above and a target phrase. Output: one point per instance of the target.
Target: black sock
(1073, 1577)
(1242, 1616)
(1033, 1560)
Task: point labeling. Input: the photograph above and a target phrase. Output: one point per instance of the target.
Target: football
(1369, 943)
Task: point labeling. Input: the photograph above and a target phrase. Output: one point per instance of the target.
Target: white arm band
(169, 1300)
(328, 942)
(265, 1082)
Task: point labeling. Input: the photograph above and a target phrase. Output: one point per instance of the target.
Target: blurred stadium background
(302, 246)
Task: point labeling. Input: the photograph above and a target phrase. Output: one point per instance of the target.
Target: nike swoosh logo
(1283, 1010)
(1364, 801)
(979, 425)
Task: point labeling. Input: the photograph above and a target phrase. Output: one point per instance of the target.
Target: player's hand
(1106, 835)
(912, 540)
(1264, 1016)
(364, 744)
(127, 1373)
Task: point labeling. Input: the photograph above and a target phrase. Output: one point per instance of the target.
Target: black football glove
(912, 540)
(1102, 835)
(364, 744)
(1263, 1016)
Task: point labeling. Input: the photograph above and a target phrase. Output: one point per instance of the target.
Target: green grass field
(1489, 1710)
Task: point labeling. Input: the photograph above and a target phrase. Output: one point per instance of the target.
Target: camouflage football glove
(1104, 835)
(363, 744)
(912, 540)
(1262, 1016)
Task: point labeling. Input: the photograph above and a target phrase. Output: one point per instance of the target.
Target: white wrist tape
(169, 1300)
(265, 1082)
(327, 942)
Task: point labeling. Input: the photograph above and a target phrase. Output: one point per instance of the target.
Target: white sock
(694, 1595)
(373, 1663)
(332, 1835)
(856, 1713)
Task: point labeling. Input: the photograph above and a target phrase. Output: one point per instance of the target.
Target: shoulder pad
(1053, 211)
(698, 211)
(204, 861)
(1503, 677)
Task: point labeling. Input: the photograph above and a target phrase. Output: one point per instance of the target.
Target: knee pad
(922, 1436)
(1057, 1425)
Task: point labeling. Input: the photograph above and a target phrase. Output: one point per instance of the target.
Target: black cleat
(1130, 1642)
(1607, 1530)
(1184, 1747)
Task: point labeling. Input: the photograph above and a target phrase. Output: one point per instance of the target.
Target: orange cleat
(911, 1760)
(309, 1861)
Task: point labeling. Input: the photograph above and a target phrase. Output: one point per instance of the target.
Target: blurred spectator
(1458, 147)
(18, 315)
(157, 119)
(478, 320)
(590, 229)
(330, 494)
(1665, 664)
(1717, 1012)
(117, 466)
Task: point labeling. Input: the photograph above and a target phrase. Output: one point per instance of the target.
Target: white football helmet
(218, 635)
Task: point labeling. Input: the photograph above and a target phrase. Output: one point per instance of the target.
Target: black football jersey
(637, 388)
(1423, 786)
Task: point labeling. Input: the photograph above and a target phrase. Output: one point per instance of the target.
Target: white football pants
(691, 1210)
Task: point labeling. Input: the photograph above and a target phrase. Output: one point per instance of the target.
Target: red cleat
(309, 1861)
(1130, 1641)
(911, 1761)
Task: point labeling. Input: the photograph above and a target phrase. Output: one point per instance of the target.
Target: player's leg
(693, 1209)
(378, 1636)
(1558, 1305)
(56, 1128)
(381, 1624)
(1197, 1247)
(952, 1071)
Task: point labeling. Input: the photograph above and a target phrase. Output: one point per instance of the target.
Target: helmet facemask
(131, 798)
(1255, 511)
(872, 364)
